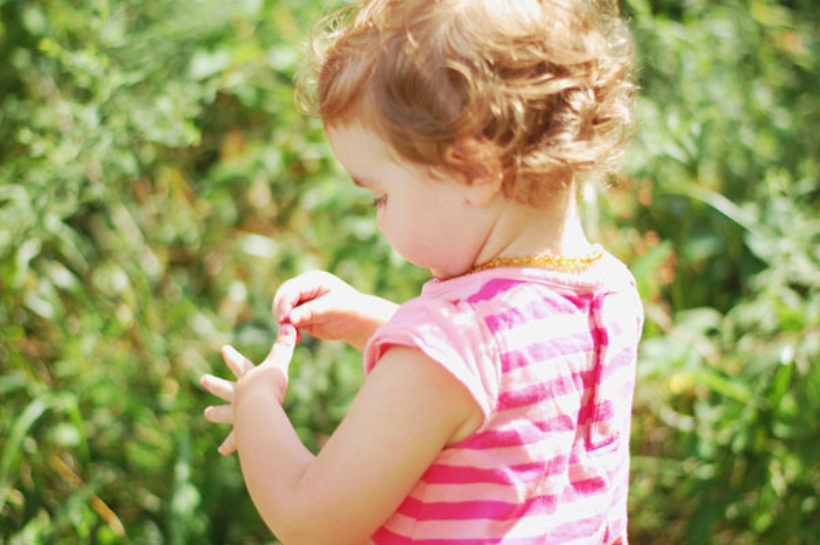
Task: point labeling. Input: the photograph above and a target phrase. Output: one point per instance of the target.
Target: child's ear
(480, 165)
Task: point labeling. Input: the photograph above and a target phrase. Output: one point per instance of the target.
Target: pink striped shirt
(549, 358)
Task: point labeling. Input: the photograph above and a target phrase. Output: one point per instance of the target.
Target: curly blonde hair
(545, 84)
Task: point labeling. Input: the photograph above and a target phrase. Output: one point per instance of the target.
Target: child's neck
(522, 230)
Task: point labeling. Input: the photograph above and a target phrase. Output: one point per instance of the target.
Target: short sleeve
(449, 334)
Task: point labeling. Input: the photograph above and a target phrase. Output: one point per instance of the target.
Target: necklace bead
(550, 262)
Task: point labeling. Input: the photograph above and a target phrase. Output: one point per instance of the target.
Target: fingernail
(288, 332)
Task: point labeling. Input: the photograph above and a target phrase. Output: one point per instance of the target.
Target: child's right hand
(326, 307)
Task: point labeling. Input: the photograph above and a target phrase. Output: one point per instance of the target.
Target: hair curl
(546, 83)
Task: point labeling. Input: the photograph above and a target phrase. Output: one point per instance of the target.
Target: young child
(496, 407)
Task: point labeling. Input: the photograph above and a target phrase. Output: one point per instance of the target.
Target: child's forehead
(358, 148)
(368, 158)
(357, 134)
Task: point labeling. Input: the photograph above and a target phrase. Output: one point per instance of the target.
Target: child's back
(550, 358)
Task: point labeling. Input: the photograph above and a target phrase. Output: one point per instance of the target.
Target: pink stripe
(579, 458)
(581, 301)
(455, 514)
(533, 433)
(601, 336)
(589, 487)
(531, 312)
(577, 529)
(563, 385)
(501, 510)
(546, 350)
(492, 288)
(593, 414)
(385, 537)
(603, 411)
(512, 475)
(477, 509)
(599, 298)
(623, 358)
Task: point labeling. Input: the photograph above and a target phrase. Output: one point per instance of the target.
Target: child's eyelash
(379, 200)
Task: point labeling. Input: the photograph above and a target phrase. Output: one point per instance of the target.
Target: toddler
(496, 407)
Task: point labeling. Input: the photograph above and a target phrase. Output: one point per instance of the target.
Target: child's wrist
(382, 309)
(378, 312)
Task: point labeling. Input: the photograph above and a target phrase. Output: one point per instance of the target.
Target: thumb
(309, 313)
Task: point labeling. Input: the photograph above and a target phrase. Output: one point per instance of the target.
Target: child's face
(428, 220)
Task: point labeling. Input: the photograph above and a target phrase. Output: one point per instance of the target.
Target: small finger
(298, 331)
(219, 414)
(228, 445)
(287, 321)
(219, 387)
(282, 351)
(238, 363)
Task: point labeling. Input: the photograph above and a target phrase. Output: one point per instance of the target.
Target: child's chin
(446, 274)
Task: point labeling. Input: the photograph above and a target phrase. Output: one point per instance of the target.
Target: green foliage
(726, 166)
(157, 184)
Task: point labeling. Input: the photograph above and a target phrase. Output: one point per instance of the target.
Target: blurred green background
(157, 184)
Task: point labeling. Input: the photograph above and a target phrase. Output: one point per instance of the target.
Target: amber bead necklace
(550, 262)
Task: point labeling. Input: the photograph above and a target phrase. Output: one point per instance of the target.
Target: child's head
(540, 87)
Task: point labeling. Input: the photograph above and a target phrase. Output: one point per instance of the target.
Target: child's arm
(324, 306)
(407, 411)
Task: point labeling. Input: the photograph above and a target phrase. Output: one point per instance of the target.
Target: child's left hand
(278, 358)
